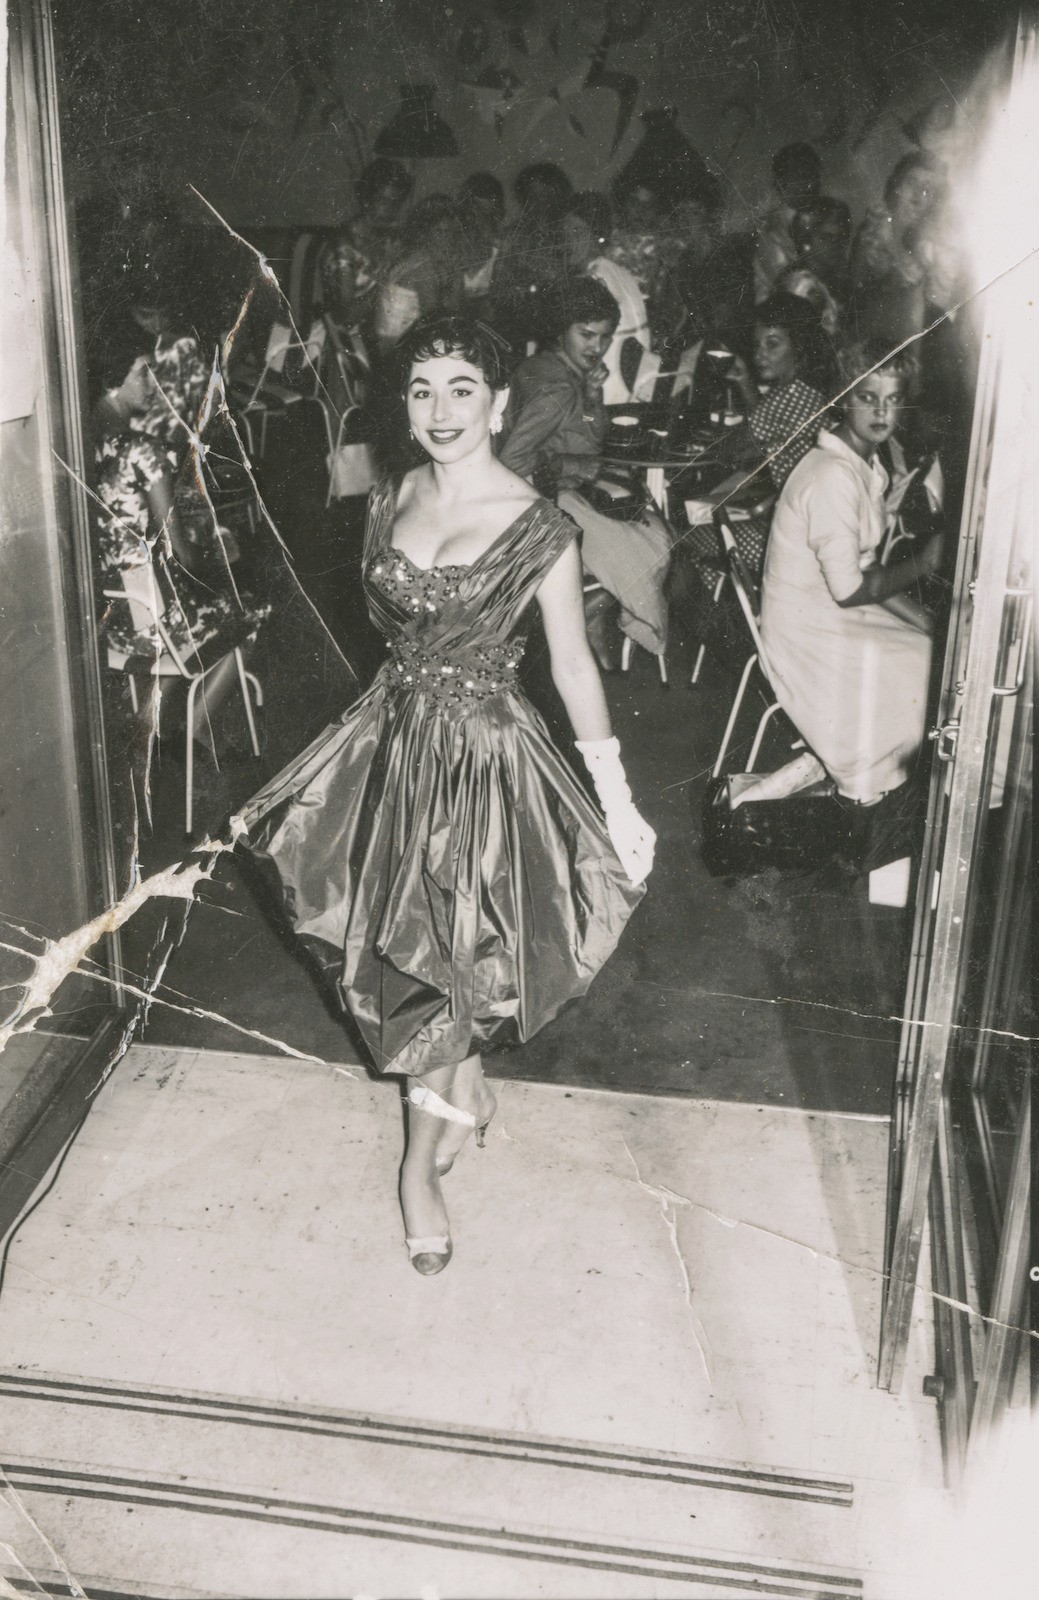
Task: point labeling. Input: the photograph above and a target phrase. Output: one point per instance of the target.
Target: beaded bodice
(456, 633)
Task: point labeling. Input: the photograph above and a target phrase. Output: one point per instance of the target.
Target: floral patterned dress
(195, 613)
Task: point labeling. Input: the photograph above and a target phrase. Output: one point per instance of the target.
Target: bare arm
(882, 584)
(574, 671)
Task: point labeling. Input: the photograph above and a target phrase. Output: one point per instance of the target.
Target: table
(660, 466)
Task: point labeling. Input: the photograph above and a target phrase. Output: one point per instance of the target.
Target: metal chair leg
(189, 755)
(733, 714)
(755, 748)
(716, 593)
(627, 649)
(243, 679)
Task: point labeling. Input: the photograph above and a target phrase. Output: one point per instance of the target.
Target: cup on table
(626, 426)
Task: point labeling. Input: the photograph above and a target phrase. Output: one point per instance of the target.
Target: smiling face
(450, 407)
(774, 355)
(585, 343)
(872, 411)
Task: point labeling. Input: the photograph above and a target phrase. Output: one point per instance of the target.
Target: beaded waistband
(453, 680)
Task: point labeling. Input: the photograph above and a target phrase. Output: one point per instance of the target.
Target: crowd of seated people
(616, 296)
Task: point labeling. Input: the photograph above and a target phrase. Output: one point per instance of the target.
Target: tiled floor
(634, 1273)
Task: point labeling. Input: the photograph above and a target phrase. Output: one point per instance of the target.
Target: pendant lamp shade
(664, 161)
(416, 131)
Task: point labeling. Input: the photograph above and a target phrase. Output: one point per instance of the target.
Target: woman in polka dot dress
(435, 852)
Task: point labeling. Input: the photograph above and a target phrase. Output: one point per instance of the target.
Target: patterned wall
(270, 107)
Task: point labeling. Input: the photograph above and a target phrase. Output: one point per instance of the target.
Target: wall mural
(271, 109)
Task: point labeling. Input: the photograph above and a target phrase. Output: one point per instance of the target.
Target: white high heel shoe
(431, 1254)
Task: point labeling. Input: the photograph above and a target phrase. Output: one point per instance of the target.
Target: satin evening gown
(435, 852)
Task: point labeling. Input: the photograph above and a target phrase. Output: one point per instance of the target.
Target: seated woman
(793, 365)
(139, 526)
(782, 423)
(849, 651)
(556, 424)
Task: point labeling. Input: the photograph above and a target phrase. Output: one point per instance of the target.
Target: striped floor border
(777, 1581)
(535, 1449)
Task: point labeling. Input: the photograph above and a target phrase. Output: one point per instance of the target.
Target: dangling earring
(496, 422)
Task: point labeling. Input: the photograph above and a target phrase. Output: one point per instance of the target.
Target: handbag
(797, 833)
(351, 465)
(619, 508)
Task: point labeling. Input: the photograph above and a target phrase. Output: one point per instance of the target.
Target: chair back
(745, 590)
(352, 363)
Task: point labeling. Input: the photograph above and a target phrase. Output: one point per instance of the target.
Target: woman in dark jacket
(555, 430)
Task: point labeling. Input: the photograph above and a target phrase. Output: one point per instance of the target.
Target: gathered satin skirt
(446, 869)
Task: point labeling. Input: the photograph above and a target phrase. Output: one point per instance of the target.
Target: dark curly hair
(581, 299)
(799, 320)
(444, 335)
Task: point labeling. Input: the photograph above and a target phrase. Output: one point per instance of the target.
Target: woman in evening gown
(436, 854)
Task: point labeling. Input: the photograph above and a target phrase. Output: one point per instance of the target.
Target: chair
(351, 469)
(701, 649)
(141, 594)
(747, 596)
(749, 527)
(268, 397)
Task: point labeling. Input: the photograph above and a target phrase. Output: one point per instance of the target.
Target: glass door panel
(962, 1103)
(56, 866)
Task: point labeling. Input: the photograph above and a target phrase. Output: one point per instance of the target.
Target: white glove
(631, 836)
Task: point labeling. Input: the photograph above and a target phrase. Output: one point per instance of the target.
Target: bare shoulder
(513, 491)
(414, 486)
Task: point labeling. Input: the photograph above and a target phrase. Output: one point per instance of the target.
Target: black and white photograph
(517, 671)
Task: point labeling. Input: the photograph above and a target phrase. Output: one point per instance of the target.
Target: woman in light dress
(848, 648)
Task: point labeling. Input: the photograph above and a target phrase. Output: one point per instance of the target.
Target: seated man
(555, 427)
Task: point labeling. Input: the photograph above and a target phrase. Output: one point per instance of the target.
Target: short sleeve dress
(434, 851)
(853, 680)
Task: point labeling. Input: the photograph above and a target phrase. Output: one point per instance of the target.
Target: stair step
(144, 1474)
